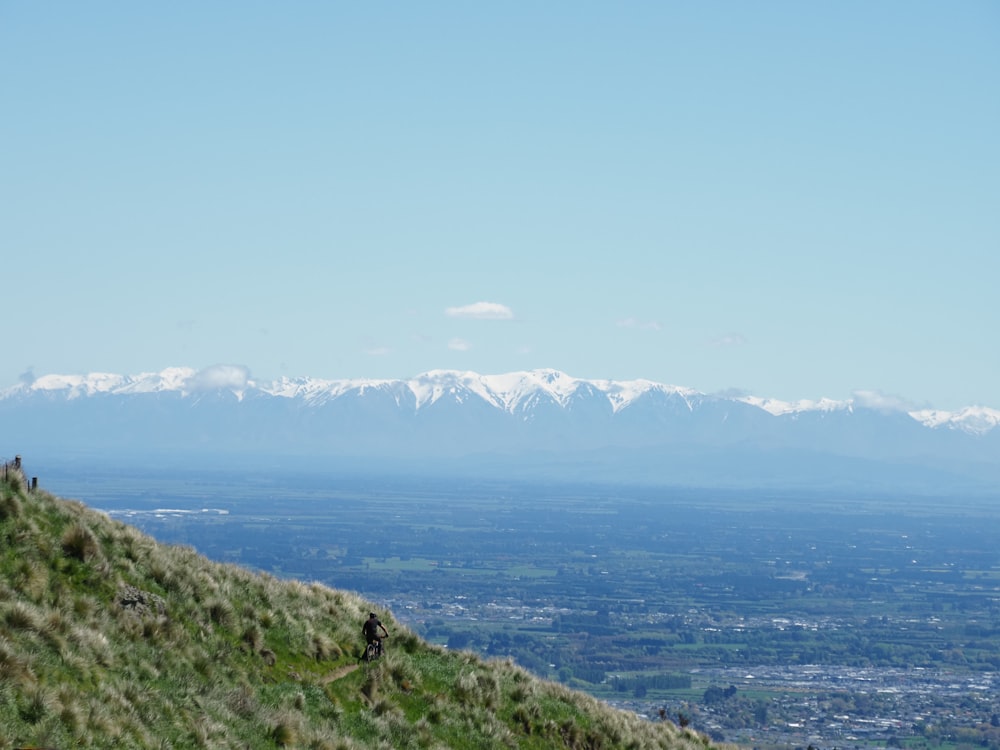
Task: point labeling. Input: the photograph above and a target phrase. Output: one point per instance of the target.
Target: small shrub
(466, 688)
(521, 692)
(322, 647)
(15, 481)
(13, 667)
(80, 543)
(35, 704)
(285, 733)
(10, 505)
(23, 616)
(253, 638)
(31, 579)
(84, 606)
(71, 718)
(221, 612)
(243, 702)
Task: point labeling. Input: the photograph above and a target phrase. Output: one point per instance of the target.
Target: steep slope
(109, 639)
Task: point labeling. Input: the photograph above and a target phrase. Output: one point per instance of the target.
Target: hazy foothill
(542, 424)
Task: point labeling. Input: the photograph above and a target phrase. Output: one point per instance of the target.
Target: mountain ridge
(542, 423)
(504, 391)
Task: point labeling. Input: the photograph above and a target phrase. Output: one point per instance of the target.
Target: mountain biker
(370, 630)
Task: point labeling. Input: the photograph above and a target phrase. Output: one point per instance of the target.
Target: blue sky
(790, 199)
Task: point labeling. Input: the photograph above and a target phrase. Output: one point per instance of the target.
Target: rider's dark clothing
(371, 628)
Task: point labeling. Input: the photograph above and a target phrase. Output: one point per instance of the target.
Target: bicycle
(374, 650)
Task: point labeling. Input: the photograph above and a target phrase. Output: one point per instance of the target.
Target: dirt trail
(338, 673)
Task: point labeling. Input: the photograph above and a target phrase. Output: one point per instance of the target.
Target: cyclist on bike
(370, 630)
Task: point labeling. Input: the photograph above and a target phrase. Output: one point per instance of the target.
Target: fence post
(34, 483)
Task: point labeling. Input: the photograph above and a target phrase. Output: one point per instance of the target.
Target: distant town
(773, 621)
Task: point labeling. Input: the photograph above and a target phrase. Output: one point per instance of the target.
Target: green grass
(109, 639)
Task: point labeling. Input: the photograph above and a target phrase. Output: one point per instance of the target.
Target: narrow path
(338, 673)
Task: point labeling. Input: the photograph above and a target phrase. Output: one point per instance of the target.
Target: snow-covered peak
(431, 386)
(621, 393)
(976, 420)
(779, 408)
(515, 388)
(75, 386)
(512, 392)
(79, 385)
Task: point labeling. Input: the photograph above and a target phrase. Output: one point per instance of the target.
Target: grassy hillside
(110, 639)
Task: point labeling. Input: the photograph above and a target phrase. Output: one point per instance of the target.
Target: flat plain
(772, 619)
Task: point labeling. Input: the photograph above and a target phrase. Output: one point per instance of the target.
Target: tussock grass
(80, 542)
(10, 504)
(109, 639)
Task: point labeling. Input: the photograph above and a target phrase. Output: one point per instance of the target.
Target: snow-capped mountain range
(509, 392)
(535, 420)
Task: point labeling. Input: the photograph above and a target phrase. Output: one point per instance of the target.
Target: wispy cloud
(459, 345)
(647, 325)
(730, 339)
(732, 393)
(884, 402)
(215, 377)
(481, 311)
(377, 351)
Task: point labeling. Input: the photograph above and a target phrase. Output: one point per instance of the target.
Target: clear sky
(792, 199)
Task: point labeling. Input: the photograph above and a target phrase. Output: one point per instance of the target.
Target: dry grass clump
(93, 645)
(286, 728)
(243, 701)
(20, 615)
(220, 611)
(323, 648)
(35, 703)
(14, 668)
(30, 580)
(10, 504)
(80, 543)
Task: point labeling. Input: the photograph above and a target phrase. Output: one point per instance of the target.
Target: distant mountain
(540, 423)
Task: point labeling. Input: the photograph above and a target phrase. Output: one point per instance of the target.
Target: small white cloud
(213, 378)
(730, 339)
(459, 345)
(378, 351)
(481, 311)
(884, 402)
